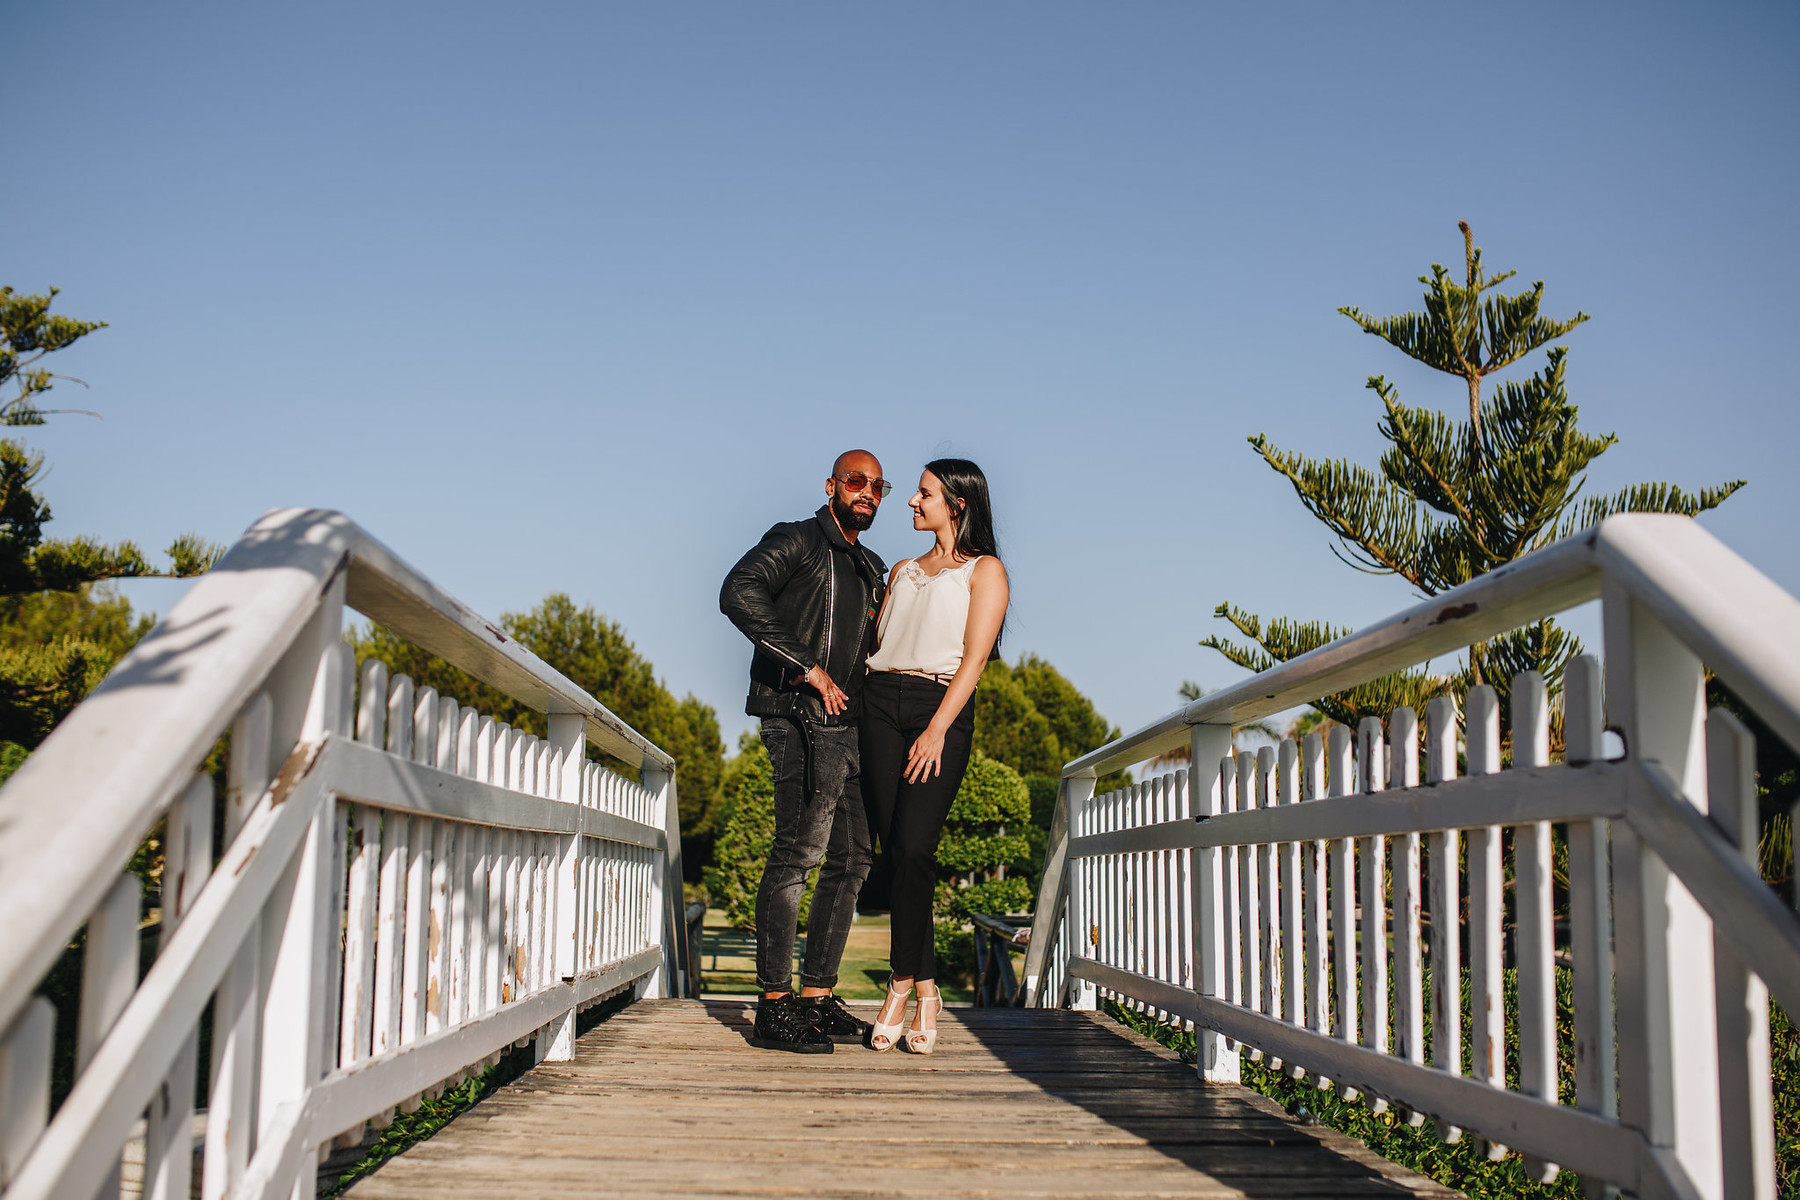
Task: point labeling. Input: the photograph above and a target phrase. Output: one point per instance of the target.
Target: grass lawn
(728, 960)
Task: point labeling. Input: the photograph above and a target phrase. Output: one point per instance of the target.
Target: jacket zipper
(830, 604)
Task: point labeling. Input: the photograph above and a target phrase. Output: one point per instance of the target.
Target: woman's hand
(926, 758)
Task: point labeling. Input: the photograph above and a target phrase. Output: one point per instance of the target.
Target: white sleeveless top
(921, 630)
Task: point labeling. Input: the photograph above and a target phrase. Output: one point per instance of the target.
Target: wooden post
(1668, 1067)
(568, 733)
(307, 690)
(668, 926)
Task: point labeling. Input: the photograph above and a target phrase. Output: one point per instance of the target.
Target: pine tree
(45, 582)
(28, 561)
(1452, 499)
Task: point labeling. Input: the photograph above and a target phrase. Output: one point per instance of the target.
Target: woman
(939, 625)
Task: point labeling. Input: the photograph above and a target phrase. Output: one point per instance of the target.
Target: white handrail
(1739, 620)
(407, 888)
(1215, 898)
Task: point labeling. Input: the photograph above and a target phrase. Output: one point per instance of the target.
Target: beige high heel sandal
(884, 1036)
(924, 1041)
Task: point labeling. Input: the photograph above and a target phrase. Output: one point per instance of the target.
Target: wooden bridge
(390, 890)
(668, 1099)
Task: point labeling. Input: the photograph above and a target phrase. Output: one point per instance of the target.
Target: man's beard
(851, 518)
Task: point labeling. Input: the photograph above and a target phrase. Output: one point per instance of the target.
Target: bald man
(806, 596)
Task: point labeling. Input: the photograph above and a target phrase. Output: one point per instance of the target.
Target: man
(806, 596)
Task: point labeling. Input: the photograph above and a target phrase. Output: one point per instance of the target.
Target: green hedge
(742, 848)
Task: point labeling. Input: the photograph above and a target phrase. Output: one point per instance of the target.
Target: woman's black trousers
(908, 818)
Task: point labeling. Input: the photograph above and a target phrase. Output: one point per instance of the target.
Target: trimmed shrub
(742, 848)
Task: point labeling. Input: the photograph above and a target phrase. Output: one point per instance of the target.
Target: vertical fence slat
(400, 716)
(1293, 970)
(230, 1108)
(509, 982)
(1746, 1115)
(108, 977)
(187, 864)
(415, 966)
(1590, 903)
(1446, 906)
(494, 936)
(437, 930)
(475, 997)
(1318, 968)
(1409, 983)
(1487, 1003)
(1371, 763)
(363, 900)
(1209, 782)
(1249, 903)
(390, 933)
(1534, 941)
(1268, 896)
(25, 1083)
(1343, 898)
(355, 1033)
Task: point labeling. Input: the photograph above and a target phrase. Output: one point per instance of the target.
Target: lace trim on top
(913, 571)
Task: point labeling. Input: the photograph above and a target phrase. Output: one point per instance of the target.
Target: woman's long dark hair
(966, 492)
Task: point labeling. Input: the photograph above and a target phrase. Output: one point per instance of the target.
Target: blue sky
(584, 297)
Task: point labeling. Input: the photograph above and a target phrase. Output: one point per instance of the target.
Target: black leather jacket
(805, 597)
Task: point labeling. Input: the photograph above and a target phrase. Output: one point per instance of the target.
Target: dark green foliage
(1030, 717)
(1010, 729)
(984, 855)
(742, 846)
(30, 563)
(1073, 721)
(1784, 1082)
(599, 658)
(1777, 786)
(55, 647)
(1454, 498)
(12, 757)
(29, 331)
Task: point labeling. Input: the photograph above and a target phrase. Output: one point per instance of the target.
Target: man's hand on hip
(833, 695)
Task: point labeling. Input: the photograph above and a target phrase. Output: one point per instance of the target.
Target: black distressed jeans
(819, 816)
(909, 817)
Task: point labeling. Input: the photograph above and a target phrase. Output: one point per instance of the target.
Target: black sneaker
(831, 1017)
(781, 1024)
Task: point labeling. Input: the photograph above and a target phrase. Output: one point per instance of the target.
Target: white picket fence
(1275, 902)
(406, 889)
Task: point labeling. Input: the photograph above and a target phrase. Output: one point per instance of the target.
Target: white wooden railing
(406, 890)
(1275, 901)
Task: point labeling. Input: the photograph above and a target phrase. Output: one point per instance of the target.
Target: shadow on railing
(406, 887)
(1251, 897)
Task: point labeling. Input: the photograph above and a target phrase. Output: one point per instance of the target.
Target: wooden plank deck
(668, 1098)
